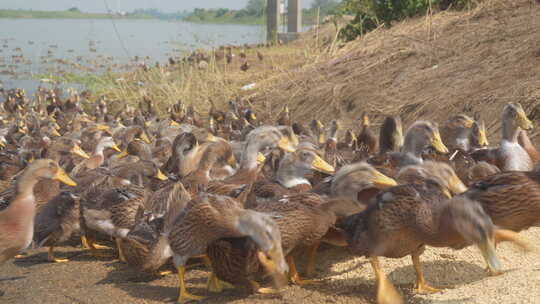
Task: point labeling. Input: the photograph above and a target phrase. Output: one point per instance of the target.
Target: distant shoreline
(30, 14)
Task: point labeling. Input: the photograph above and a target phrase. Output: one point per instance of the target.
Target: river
(33, 47)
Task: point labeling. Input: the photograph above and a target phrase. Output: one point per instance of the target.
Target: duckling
(17, 220)
(509, 156)
(56, 221)
(317, 130)
(208, 218)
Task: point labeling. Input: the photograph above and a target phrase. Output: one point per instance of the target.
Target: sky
(125, 5)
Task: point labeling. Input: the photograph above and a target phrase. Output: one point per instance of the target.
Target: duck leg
(310, 268)
(294, 276)
(51, 258)
(386, 292)
(421, 286)
(214, 284)
(89, 244)
(184, 294)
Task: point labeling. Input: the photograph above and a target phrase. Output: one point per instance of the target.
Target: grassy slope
(59, 15)
(424, 68)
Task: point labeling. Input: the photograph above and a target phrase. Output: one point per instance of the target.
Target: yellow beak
(145, 138)
(524, 122)
(56, 126)
(2, 144)
(469, 122)
(115, 148)
(161, 176)
(253, 116)
(456, 185)
(232, 161)
(79, 152)
(101, 127)
(382, 181)
(260, 158)
(365, 121)
(64, 178)
(211, 138)
(322, 139)
(147, 124)
(285, 145)
(321, 165)
(174, 124)
(437, 143)
(482, 138)
(55, 133)
(122, 154)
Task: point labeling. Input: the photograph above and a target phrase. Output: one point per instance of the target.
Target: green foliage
(74, 9)
(256, 7)
(371, 13)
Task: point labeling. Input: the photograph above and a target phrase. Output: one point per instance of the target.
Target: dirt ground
(344, 279)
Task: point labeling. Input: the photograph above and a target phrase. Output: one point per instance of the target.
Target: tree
(256, 7)
(74, 10)
(326, 6)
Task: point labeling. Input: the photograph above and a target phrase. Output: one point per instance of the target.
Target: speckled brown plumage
(57, 220)
(512, 199)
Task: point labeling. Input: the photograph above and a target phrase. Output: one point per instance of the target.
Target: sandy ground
(345, 279)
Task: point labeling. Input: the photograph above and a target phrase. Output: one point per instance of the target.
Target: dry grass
(471, 61)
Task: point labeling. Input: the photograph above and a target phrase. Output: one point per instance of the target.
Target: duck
(510, 155)
(359, 182)
(291, 174)
(56, 222)
(97, 158)
(17, 220)
(402, 220)
(420, 135)
(511, 199)
(455, 132)
(208, 218)
(367, 141)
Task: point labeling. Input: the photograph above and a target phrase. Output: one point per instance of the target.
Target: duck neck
(25, 187)
(510, 131)
(289, 176)
(413, 146)
(249, 156)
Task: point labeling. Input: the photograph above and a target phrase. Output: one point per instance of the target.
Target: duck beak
(115, 148)
(101, 127)
(56, 126)
(456, 186)
(233, 117)
(55, 133)
(321, 165)
(122, 154)
(161, 176)
(211, 138)
(84, 119)
(61, 176)
(253, 116)
(469, 122)
(79, 152)
(174, 124)
(145, 138)
(232, 160)
(285, 145)
(447, 193)
(2, 144)
(147, 124)
(482, 138)
(274, 263)
(523, 121)
(382, 181)
(437, 143)
(322, 139)
(260, 158)
(488, 252)
(365, 121)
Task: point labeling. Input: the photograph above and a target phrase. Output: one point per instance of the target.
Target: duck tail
(503, 235)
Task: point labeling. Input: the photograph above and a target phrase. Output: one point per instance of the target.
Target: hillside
(428, 67)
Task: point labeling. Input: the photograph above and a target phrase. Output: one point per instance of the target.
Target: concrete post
(272, 20)
(294, 16)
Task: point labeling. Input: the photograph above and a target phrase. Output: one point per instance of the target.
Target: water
(31, 47)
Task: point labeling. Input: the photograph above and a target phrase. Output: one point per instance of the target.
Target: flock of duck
(247, 197)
